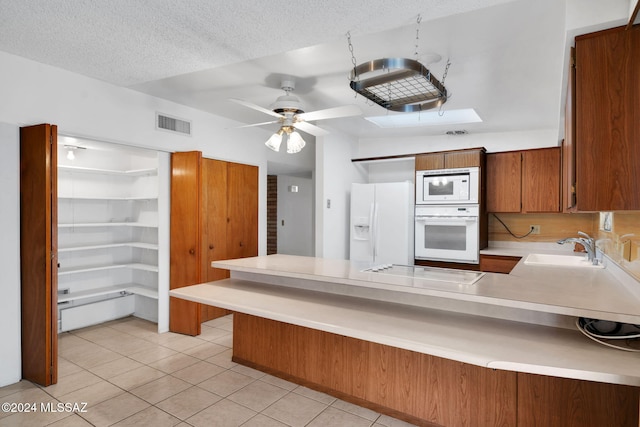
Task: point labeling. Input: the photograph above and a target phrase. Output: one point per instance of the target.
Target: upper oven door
(447, 186)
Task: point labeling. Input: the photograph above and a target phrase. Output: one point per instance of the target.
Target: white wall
(34, 93)
(334, 174)
(493, 142)
(10, 362)
(295, 237)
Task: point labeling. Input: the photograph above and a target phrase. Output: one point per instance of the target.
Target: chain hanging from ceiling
(398, 84)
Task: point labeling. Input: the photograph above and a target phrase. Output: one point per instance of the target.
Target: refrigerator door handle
(375, 231)
(372, 231)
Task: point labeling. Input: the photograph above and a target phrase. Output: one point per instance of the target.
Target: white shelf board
(141, 245)
(108, 224)
(133, 288)
(134, 172)
(143, 291)
(135, 266)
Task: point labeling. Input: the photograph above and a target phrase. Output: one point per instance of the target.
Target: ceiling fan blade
(331, 113)
(310, 129)
(255, 107)
(257, 124)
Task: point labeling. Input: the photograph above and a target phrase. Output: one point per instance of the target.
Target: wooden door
(214, 227)
(185, 234)
(242, 220)
(504, 181)
(607, 118)
(39, 253)
(541, 180)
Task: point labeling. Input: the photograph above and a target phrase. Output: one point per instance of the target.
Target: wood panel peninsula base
(422, 389)
(503, 351)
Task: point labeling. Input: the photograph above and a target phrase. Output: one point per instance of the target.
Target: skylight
(426, 118)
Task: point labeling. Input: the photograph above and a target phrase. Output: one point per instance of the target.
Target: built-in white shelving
(107, 236)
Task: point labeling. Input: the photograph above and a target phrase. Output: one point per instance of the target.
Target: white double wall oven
(447, 215)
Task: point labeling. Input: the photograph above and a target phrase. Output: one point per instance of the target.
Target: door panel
(38, 253)
(214, 205)
(186, 175)
(242, 220)
(214, 227)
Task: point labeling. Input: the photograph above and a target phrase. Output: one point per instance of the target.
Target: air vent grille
(173, 124)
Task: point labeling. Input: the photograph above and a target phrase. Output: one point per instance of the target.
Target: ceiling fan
(289, 112)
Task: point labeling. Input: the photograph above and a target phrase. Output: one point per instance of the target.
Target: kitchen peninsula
(499, 350)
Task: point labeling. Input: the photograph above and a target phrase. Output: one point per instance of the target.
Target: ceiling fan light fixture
(275, 141)
(295, 143)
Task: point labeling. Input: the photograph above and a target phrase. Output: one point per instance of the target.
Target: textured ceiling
(129, 42)
(507, 56)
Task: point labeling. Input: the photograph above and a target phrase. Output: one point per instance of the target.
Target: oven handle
(446, 218)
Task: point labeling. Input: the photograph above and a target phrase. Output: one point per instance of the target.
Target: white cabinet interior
(107, 235)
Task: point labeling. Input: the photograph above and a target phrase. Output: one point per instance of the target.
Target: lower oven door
(447, 239)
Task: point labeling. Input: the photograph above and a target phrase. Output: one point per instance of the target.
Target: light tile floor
(129, 375)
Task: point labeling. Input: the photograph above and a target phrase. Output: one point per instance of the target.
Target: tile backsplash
(618, 235)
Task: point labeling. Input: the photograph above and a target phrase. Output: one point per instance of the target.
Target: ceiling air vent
(173, 124)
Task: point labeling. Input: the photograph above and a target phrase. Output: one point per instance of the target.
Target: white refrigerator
(382, 223)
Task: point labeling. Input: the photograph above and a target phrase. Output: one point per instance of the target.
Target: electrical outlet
(535, 229)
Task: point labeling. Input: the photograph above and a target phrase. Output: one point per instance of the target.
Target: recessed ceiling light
(426, 118)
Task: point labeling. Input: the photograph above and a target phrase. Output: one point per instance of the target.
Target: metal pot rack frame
(404, 85)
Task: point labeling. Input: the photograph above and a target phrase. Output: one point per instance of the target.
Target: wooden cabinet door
(504, 181)
(463, 159)
(607, 120)
(541, 180)
(568, 143)
(214, 218)
(425, 162)
(185, 252)
(242, 205)
(214, 228)
(39, 253)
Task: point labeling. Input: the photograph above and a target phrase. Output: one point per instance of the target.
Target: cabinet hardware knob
(210, 246)
(241, 244)
(192, 251)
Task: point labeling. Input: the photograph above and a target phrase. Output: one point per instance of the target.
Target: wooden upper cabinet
(524, 181)
(608, 120)
(504, 182)
(463, 159)
(450, 159)
(425, 162)
(541, 180)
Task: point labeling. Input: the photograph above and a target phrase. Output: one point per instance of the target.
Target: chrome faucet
(588, 242)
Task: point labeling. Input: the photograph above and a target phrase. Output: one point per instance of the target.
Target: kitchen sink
(579, 261)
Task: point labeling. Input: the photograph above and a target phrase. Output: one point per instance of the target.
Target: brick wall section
(272, 214)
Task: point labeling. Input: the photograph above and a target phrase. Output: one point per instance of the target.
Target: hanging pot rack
(398, 84)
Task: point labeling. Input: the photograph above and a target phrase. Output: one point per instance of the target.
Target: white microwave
(446, 186)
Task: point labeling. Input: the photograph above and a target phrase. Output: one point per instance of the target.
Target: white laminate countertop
(482, 341)
(592, 293)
